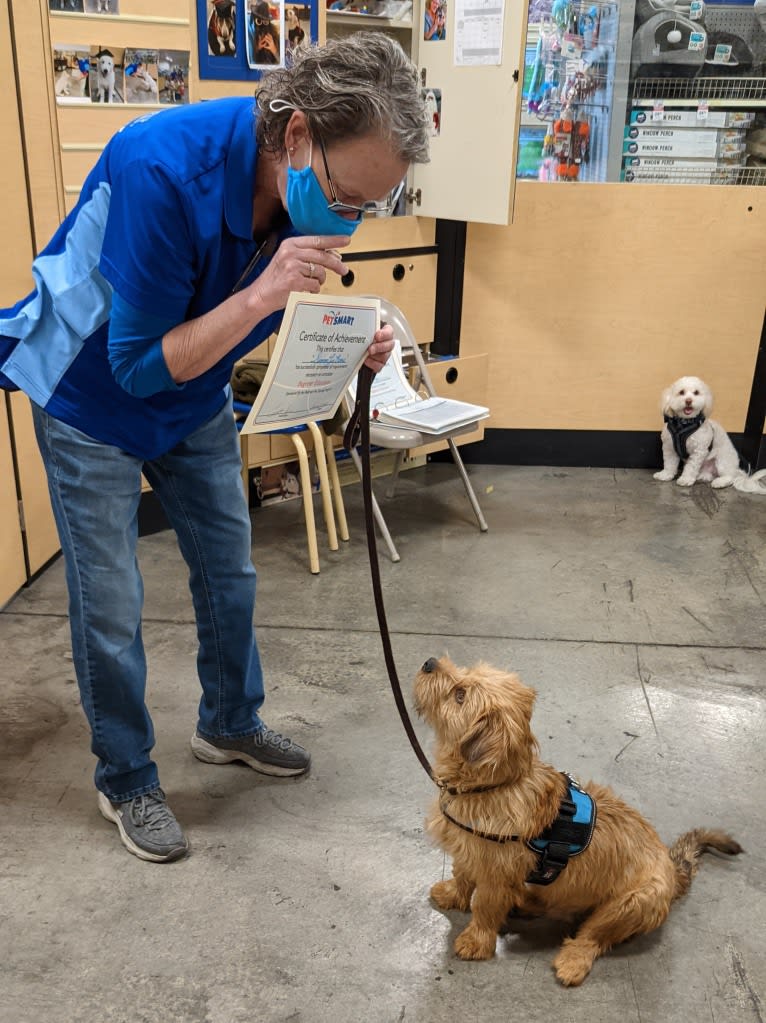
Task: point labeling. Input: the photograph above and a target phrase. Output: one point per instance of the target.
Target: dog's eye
(459, 694)
(696, 392)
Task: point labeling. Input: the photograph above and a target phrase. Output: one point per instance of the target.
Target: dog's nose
(430, 666)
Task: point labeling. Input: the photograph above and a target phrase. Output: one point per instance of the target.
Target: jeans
(95, 490)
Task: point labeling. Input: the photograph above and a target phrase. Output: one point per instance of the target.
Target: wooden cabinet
(13, 572)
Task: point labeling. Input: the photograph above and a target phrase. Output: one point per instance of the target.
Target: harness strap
(680, 430)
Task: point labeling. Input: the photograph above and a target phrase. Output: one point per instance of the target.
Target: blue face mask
(307, 205)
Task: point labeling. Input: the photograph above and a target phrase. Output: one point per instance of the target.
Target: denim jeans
(95, 489)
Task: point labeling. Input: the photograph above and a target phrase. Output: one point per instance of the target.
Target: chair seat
(385, 435)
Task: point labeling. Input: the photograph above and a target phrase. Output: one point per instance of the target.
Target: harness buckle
(552, 860)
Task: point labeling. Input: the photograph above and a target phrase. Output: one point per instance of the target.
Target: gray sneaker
(267, 752)
(147, 826)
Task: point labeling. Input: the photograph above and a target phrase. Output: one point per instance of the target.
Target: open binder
(394, 402)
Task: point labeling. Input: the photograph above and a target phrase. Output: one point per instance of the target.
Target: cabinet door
(39, 526)
(13, 571)
(473, 157)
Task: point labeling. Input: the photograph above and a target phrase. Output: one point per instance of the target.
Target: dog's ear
(486, 740)
(707, 395)
(502, 736)
(665, 408)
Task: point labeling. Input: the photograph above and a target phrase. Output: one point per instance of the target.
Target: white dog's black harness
(680, 430)
(567, 836)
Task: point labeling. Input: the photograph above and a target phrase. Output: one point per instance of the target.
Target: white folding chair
(402, 439)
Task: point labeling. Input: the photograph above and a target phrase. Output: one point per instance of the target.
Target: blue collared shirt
(164, 222)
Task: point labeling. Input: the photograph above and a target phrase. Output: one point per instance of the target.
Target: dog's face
(481, 717)
(105, 66)
(686, 398)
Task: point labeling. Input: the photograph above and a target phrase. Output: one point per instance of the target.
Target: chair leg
(324, 486)
(467, 483)
(393, 478)
(337, 492)
(377, 513)
(308, 503)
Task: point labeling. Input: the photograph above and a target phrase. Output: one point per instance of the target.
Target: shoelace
(268, 735)
(151, 811)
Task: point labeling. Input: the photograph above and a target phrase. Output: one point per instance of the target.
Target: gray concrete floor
(637, 611)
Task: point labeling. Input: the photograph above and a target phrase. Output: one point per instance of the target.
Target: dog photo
(297, 31)
(265, 33)
(526, 839)
(697, 444)
(106, 74)
(102, 6)
(141, 76)
(173, 76)
(221, 28)
(68, 6)
(71, 74)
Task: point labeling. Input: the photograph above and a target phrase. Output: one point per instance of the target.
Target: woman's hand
(299, 264)
(380, 350)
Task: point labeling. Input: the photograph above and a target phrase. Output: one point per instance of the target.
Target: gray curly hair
(347, 88)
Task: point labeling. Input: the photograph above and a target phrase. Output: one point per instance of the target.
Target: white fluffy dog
(701, 444)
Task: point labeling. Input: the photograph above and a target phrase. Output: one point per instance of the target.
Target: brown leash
(358, 434)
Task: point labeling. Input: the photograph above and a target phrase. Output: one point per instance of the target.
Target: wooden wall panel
(13, 571)
(598, 296)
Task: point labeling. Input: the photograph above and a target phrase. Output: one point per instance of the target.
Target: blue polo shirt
(163, 228)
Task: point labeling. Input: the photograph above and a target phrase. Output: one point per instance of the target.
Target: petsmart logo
(334, 319)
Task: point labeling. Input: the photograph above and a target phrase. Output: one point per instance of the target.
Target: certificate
(321, 345)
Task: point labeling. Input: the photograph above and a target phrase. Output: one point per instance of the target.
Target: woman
(189, 235)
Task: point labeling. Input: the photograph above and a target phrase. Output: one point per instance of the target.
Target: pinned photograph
(173, 76)
(142, 76)
(297, 29)
(65, 6)
(435, 20)
(222, 28)
(106, 74)
(265, 23)
(433, 101)
(102, 6)
(71, 73)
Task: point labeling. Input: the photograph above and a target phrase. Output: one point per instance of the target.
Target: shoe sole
(210, 754)
(109, 812)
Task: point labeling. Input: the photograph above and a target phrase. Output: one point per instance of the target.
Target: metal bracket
(413, 197)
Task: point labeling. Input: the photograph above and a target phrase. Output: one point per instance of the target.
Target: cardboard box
(689, 119)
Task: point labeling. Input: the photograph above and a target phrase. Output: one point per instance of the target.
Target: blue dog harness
(567, 836)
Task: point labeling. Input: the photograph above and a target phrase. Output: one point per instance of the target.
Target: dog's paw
(475, 944)
(573, 963)
(686, 481)
(664, 475)
(446, 896)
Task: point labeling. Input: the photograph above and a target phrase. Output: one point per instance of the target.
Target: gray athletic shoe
(267, 752)
(147, 826)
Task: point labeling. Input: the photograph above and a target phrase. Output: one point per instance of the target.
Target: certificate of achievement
(321, 345)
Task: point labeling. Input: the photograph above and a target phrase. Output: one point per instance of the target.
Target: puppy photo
(106, 84)
(699, 444)
(526, 839)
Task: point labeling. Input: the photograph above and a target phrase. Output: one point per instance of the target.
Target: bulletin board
(238, 40)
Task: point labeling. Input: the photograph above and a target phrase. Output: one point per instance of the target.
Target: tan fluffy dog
(622, 884)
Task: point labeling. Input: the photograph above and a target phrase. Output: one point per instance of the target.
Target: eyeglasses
(386, 206)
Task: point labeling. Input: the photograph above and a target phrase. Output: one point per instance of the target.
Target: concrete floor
(636, 609)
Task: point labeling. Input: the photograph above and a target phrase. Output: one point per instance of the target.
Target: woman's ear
(297, 134)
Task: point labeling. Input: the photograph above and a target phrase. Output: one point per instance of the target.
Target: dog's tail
(755, 484)
(685, 853)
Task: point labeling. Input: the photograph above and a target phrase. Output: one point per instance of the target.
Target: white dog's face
(105, 66)
(686, 398)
